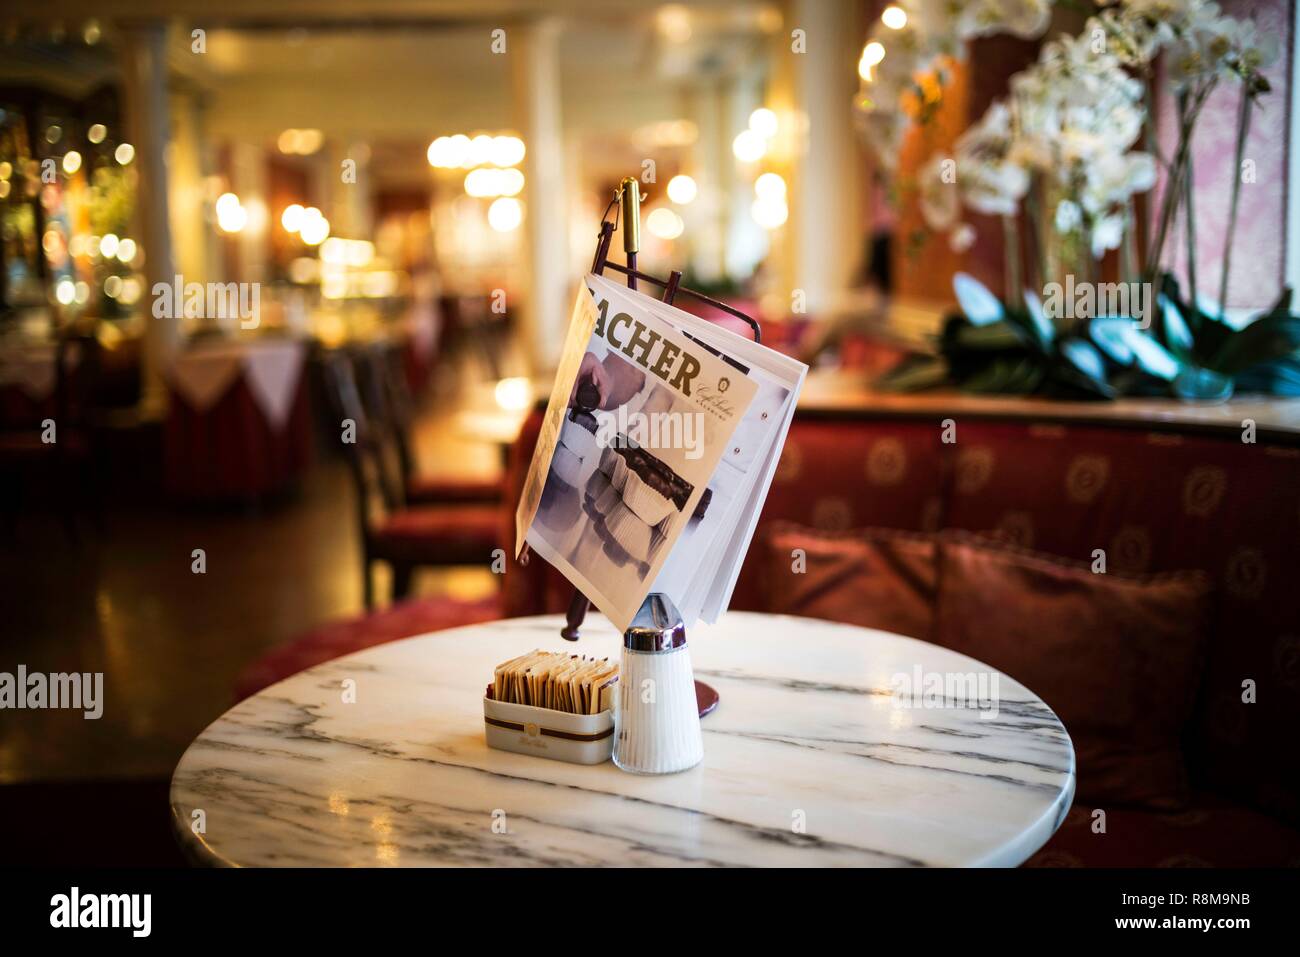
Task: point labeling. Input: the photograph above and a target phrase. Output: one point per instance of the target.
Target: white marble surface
(808, 732)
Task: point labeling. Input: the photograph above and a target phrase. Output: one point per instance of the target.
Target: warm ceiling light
(763, 122)
(510, 182)
(478, 183)
(356, 253)
(481, 148)
(505, 214)
(124, 153)
(231, 216)
(97, 133)
(681, 189)
(301, 142)
(894, 17)
(674, 22)
(458, 148)
(872, 54)
(749, 147)
(309, 141)
(485, 181)
(438, 152)
(315, 227)
(291, 218)
(507, 150)
(514, 394)
(769, 186)
(770, 212)
(71, 161)
(664, 223)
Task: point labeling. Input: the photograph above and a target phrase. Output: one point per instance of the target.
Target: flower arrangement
(1070, 146)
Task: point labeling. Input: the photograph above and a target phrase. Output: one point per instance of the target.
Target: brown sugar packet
(503, 676)
(499, 678)
(554, 680)
(554, 683)
(593, 681)
(575, 687)
(515, 675)
(605, 696)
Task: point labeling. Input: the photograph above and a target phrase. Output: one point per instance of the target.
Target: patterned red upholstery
(338, 638)
(1162, 502)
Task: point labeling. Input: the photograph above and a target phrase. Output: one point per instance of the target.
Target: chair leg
(367, 583)
(401, 581)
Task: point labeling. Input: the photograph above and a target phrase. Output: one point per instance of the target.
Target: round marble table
(814, 758)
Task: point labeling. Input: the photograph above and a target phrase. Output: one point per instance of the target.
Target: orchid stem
(1243, 128)
(1011, 240)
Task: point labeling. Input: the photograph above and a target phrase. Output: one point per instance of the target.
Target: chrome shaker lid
(657, 626)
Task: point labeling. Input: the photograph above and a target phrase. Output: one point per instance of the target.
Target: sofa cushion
(873, 577)
(1211, 832)
(1117, 658)
(837, 475)
(1153, 501)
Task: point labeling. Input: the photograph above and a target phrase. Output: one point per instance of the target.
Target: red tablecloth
(231, 450)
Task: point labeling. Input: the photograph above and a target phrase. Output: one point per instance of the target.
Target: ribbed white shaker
(657, 725)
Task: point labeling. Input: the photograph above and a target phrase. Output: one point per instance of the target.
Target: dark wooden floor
(170, 643)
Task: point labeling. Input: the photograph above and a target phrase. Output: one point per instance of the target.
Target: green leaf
(1190, 316)
(1084, 357)
(914, 374)
(1041, 327)
(1279, 377)
(1007, 376)
(1272, 336)
(980, 306)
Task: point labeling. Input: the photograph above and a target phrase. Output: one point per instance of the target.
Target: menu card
(659, 443)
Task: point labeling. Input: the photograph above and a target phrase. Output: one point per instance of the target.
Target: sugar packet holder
(546, 733)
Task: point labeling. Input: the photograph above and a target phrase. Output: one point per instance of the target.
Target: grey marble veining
(809, 761)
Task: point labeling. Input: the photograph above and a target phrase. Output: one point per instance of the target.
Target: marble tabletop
(818, 755)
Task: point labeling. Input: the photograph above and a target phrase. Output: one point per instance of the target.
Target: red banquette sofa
(1156, 501)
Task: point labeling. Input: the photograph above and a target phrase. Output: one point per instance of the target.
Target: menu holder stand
(627, 201)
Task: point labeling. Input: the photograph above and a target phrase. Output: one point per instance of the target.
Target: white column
(187, 190)
(828, 226)
(748, 243)
(248, 178)
(349, 202)
(714, 172)
(533, 49)
(144, 95)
